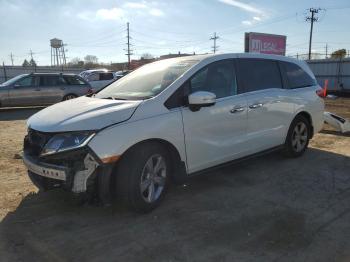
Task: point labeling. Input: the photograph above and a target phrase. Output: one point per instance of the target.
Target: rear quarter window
(73, 80)
(296, 77)
(259, 74)
(106, 76)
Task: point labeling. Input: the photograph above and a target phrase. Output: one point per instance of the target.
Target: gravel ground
(265, 209)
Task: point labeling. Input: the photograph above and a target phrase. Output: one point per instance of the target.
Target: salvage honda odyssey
(170, 120)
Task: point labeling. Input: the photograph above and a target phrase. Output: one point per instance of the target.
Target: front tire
(69, 97)
(298, 137)
(142, 177)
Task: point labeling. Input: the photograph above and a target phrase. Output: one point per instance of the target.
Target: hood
(84, 113)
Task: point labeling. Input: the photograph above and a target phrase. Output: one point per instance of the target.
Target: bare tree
(76, 61)
(341, 53)
(91, 59)
(147, 56)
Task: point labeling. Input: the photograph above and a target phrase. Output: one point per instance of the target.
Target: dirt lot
(266, 209)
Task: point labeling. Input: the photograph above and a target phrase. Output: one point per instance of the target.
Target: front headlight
(66, 141)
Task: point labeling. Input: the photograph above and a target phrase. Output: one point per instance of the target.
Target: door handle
(37, 89)
(237, 109)
(254, 106)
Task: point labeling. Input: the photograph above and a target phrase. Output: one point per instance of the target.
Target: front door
(215, 134)
(25, 92)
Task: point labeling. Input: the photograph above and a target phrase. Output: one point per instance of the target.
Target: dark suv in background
(42, 89)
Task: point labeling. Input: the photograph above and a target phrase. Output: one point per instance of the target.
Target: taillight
(321, 92)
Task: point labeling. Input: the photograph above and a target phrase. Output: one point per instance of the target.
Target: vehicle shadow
(267, 208)
(18, 113)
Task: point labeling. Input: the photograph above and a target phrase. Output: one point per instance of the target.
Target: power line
(312, 19)
(214, 38)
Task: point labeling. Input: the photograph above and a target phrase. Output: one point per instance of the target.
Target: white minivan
(170, 120)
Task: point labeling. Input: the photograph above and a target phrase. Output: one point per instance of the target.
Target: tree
(147, 56)
(341, 53)
(32, 62)
(25, 63)
(91, 59)
(76, 61)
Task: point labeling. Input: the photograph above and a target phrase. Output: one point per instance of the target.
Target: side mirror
(200, 99)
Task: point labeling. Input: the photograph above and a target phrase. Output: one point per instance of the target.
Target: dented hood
(84, 113)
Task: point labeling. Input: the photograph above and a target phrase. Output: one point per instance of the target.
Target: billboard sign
(265, 43)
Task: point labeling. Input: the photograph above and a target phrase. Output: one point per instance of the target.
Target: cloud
(254, 20)
(120, 13)
(135, 5)
(247, 22)
(156, 12)
(110, 14)
(242, 6)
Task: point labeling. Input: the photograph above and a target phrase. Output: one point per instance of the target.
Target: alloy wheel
(299, 137)
(69, 97)
(153, 178)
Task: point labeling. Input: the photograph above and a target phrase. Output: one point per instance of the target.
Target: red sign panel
(265, 43)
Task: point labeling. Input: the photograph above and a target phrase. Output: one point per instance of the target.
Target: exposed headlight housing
(67, 141)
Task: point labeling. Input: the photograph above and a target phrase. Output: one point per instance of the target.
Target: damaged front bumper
(74, 179)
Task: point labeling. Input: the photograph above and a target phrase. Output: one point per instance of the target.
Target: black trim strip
(210, 169)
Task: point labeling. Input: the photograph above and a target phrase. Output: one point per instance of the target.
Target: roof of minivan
(54, 74)
(215, 57)
(239, 55)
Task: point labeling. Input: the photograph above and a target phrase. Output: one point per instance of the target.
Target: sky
(98, 27)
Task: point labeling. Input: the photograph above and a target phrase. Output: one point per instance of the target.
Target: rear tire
(69, 97)
(298, 137)
(142, 177)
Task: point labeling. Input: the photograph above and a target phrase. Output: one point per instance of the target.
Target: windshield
(147, 81)
(13, 80)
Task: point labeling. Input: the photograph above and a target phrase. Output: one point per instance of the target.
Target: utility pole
(312, 19)
(31, 54)
(214, 38)
(128, 50)
(326, 51)
(11, 56)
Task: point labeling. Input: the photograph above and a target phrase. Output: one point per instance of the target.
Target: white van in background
(99, 78)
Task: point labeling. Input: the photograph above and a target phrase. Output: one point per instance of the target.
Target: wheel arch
(68, 94)
(309, 118)
(178, 166)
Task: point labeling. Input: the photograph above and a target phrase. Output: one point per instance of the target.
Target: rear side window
(93, 77)
(296, 76)
(49, 80)
(259, 74)
(106, 76)
(73, 80)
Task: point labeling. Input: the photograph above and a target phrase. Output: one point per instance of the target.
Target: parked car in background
(42, 89)
(121, 74)
(99, 78)
(172, 119)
